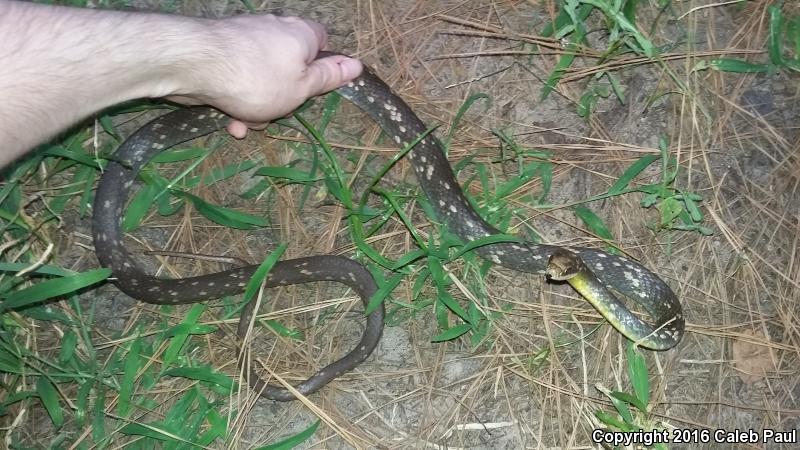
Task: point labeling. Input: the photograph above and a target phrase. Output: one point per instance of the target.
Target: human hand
(255, 68)
(260, 67)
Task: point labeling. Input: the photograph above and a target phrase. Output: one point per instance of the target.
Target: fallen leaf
(753, 361)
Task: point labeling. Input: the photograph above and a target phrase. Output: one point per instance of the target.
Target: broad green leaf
(256, 190)
(629, 10)
(82, 402)
(99, 415)
(217, 428)
(670, 209)
(692, 208)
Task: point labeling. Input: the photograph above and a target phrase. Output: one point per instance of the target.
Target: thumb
(326, 74)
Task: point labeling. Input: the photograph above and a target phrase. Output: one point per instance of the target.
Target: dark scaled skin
(112, 193)
(567, 266)
(438, 183)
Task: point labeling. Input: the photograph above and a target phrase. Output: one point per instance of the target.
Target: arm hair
(59, 65)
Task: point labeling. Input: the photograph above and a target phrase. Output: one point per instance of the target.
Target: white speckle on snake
(447, 200)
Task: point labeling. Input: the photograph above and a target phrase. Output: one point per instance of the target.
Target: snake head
(563, 265)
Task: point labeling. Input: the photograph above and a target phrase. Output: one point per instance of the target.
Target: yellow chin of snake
(566, 266)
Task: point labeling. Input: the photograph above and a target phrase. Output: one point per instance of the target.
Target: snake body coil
(436, 178)
(604, 271)
(112, 192)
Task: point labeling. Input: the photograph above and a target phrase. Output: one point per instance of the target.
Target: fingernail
(351, 68)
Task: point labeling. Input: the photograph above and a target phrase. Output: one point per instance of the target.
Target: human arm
(59, 65)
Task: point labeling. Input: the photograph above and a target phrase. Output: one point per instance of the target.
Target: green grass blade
(138, 207)
(288, 173)
(224, 216)
(563, 19)
(180, 334)
(463, 110)
(179, 154)
(632, 172)
(452, 333)
(774, 41)
(204, 373)
(254, 285)
(53, 288)
(41, 270)
(218, 174)
(733, 65)
(82, 402)
(99, 415)
(564, 61)
(293, 441)
(637, 372)
(621, 400)
(384, 289)
(71, 154)
(190, 328)
(612, 421)
(217, 428)
(150, 431)
(284, 331)
(133, 362)
(9, 362)
(69, 343)
(49, 397)
(596, 225)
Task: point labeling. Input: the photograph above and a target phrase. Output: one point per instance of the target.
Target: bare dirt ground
(533, 382)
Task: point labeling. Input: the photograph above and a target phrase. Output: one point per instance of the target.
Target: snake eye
(563, 265)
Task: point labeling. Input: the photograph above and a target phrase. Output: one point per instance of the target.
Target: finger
(184, 100)
(237, 129)
(329, 73)
(319, 32)
(313, 33)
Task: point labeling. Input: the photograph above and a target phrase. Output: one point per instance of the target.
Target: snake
(600, 277)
